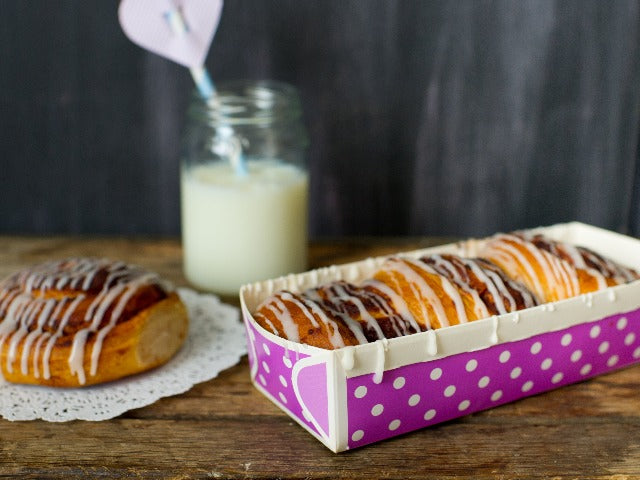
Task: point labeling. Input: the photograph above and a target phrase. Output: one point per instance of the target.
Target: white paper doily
(216, 341)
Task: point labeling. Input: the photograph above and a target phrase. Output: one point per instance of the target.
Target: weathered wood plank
(270, 446)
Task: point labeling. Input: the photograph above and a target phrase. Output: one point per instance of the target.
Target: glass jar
(244, 186)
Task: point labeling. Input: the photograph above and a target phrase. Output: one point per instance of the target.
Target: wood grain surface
(224, 428)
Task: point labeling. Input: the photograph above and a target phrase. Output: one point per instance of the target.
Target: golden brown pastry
(333, 316)
(404, 296)
(83, 321)
(498, 293)
(554, 270)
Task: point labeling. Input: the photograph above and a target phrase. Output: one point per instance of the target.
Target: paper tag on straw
(148, 24)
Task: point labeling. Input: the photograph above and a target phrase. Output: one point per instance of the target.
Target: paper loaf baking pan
(357, 395)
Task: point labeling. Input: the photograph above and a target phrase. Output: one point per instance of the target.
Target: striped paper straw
(205, 86)
(200, 74)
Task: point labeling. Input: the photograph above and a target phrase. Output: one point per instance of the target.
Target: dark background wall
(426, 117)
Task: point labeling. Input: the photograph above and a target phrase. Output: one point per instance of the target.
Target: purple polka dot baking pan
(358, 395)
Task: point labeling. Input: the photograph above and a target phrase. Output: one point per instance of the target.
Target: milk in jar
(238, 229)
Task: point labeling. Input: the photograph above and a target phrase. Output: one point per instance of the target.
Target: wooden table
(225, 429)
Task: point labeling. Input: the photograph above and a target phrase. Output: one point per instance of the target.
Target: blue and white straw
(206, 88)
(200, 74)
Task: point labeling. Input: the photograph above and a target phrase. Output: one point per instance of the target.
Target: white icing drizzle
(497, 280)
(24, 320)
(497, 289)
(284, 317)
(309, 308)
(61, 326)
(414, 290)
(130, 289)
(399, 303)
(342, 294)
(35, 365)
(618, 273)
(575, 255)
(600, 278)
(10, 295)
(348, 359)
(35, 334)
(401, 266)
(557, 273)
(451, 291)
(381, 348)
(399, 323)
(512, 257)
(27, 314)
(566, 277)
(432, 343)
(354, 326)
(494, 339)
(305, 310)
(480, 308)
(273, 328)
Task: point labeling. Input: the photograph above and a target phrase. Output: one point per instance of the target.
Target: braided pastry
(83, 321)
(405, 296)
(409, 295)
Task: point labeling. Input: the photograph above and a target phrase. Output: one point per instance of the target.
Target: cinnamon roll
(83, 321)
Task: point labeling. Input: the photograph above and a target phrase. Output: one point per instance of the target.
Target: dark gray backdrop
(426, 117)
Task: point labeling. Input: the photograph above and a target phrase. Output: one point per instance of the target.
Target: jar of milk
(244, 186)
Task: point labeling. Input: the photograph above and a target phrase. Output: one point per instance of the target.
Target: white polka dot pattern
(423, 394)
(274, 366)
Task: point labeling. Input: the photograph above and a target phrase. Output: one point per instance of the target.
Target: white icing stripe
(9, 297)
(288, 297)
(447, 268)
(309, 308)
(493, 287)
(108, 285)
(34, 334)
(398, 324)
(424, 290)
(313, 298)
(569, 279)
(503, 289)
(449, 289)
(425, 316)
(544, 260)
(61, 326)
(130, 289)
(372, 323)
(510, 265)
(520, 259)
(398, 303)
(38, 347)
(574, 254)
(284, 317)
(480, 308)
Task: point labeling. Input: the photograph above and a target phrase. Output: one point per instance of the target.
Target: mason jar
(244, 186)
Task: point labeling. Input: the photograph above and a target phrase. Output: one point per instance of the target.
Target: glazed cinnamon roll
(82, 321)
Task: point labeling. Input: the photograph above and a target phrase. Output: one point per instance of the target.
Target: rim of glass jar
(247, 102)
